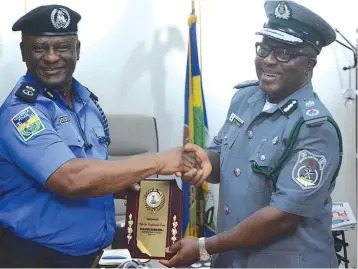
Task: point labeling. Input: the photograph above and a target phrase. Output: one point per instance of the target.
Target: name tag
(236, 120)
(64, 119)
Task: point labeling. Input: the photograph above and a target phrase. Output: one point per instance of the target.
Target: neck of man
(66, 92)
(275, 99)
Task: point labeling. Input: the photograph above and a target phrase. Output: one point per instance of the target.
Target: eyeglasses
(283, 55)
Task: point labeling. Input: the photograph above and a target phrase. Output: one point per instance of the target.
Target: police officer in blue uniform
(56, 185)
(276, 157)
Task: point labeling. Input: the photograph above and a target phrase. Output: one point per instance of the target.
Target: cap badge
(60, 18)
(282, 11)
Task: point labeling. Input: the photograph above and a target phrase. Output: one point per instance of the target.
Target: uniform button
(275, 140)
(262, 157)
(250, 134)
(226, 209)
(79, 139)
(225, 137)
(237, 172)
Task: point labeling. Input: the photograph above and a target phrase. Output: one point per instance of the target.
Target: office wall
(133, 57)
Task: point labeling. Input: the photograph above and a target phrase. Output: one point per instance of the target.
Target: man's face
(51, 59)
(280, 79)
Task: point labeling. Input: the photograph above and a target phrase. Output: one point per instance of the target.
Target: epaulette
(27, 93)
(93, 96)
(246, 83)
(314, 114)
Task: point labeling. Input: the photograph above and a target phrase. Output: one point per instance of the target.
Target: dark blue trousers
(21, 253)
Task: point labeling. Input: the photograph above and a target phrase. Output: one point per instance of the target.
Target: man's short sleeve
(31, 143)
(215, 145)
(306, 178)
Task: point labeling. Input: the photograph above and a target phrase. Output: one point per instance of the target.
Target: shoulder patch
(27, 123)
(314, 113)
(27, 93)
(308, 170)
(246, 83)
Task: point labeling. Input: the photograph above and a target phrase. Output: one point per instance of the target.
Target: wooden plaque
(153, 218)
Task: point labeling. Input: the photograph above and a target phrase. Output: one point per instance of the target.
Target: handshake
(191, 163)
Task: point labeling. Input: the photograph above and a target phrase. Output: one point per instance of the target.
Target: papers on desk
(342, 217)
(114, 257)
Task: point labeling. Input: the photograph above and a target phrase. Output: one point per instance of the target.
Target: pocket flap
(99, 132)
(267, 155)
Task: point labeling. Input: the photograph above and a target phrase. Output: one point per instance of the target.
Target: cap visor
(280, 36)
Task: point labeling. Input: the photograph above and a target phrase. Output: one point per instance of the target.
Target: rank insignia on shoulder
(27, 93)
(289, 107)
(309, 103)
(312, 112)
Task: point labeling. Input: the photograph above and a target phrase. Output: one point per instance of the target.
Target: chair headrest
(132, 134)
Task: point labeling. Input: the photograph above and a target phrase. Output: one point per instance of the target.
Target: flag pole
(200, 38)
(199, 191)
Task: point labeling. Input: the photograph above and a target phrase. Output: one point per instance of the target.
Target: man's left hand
(123, 193)
(186, 253)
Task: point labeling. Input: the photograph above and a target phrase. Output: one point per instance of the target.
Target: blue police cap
(48, 20)
(294, 24)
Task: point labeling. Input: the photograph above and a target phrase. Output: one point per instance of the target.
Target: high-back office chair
(130, 135)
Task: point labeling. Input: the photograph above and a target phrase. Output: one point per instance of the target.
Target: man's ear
(22, 48)
(78, 49)
(311, 64)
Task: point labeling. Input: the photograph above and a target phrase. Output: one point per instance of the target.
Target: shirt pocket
(99, 136)
(228, 139)
(262, 162)
(70, 136)
(100, 146)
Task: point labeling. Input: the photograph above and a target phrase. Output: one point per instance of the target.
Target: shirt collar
(302, 94)
(81, 93)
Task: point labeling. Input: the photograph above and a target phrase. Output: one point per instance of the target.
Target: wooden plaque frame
(174, 227)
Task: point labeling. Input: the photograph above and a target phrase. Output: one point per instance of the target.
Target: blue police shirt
(36, 139)
(251, 137)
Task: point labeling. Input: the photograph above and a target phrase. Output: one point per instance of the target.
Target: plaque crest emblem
(154, 200)
(282, 11)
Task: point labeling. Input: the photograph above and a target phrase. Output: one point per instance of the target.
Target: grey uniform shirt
(304, 183)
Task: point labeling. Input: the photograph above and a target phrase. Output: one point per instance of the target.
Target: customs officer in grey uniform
(276, 156)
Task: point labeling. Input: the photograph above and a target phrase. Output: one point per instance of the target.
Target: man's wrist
(209, 243)
(158, 164)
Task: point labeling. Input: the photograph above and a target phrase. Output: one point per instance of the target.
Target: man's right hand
(191, 163)
(177, 160)
(194, 176)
